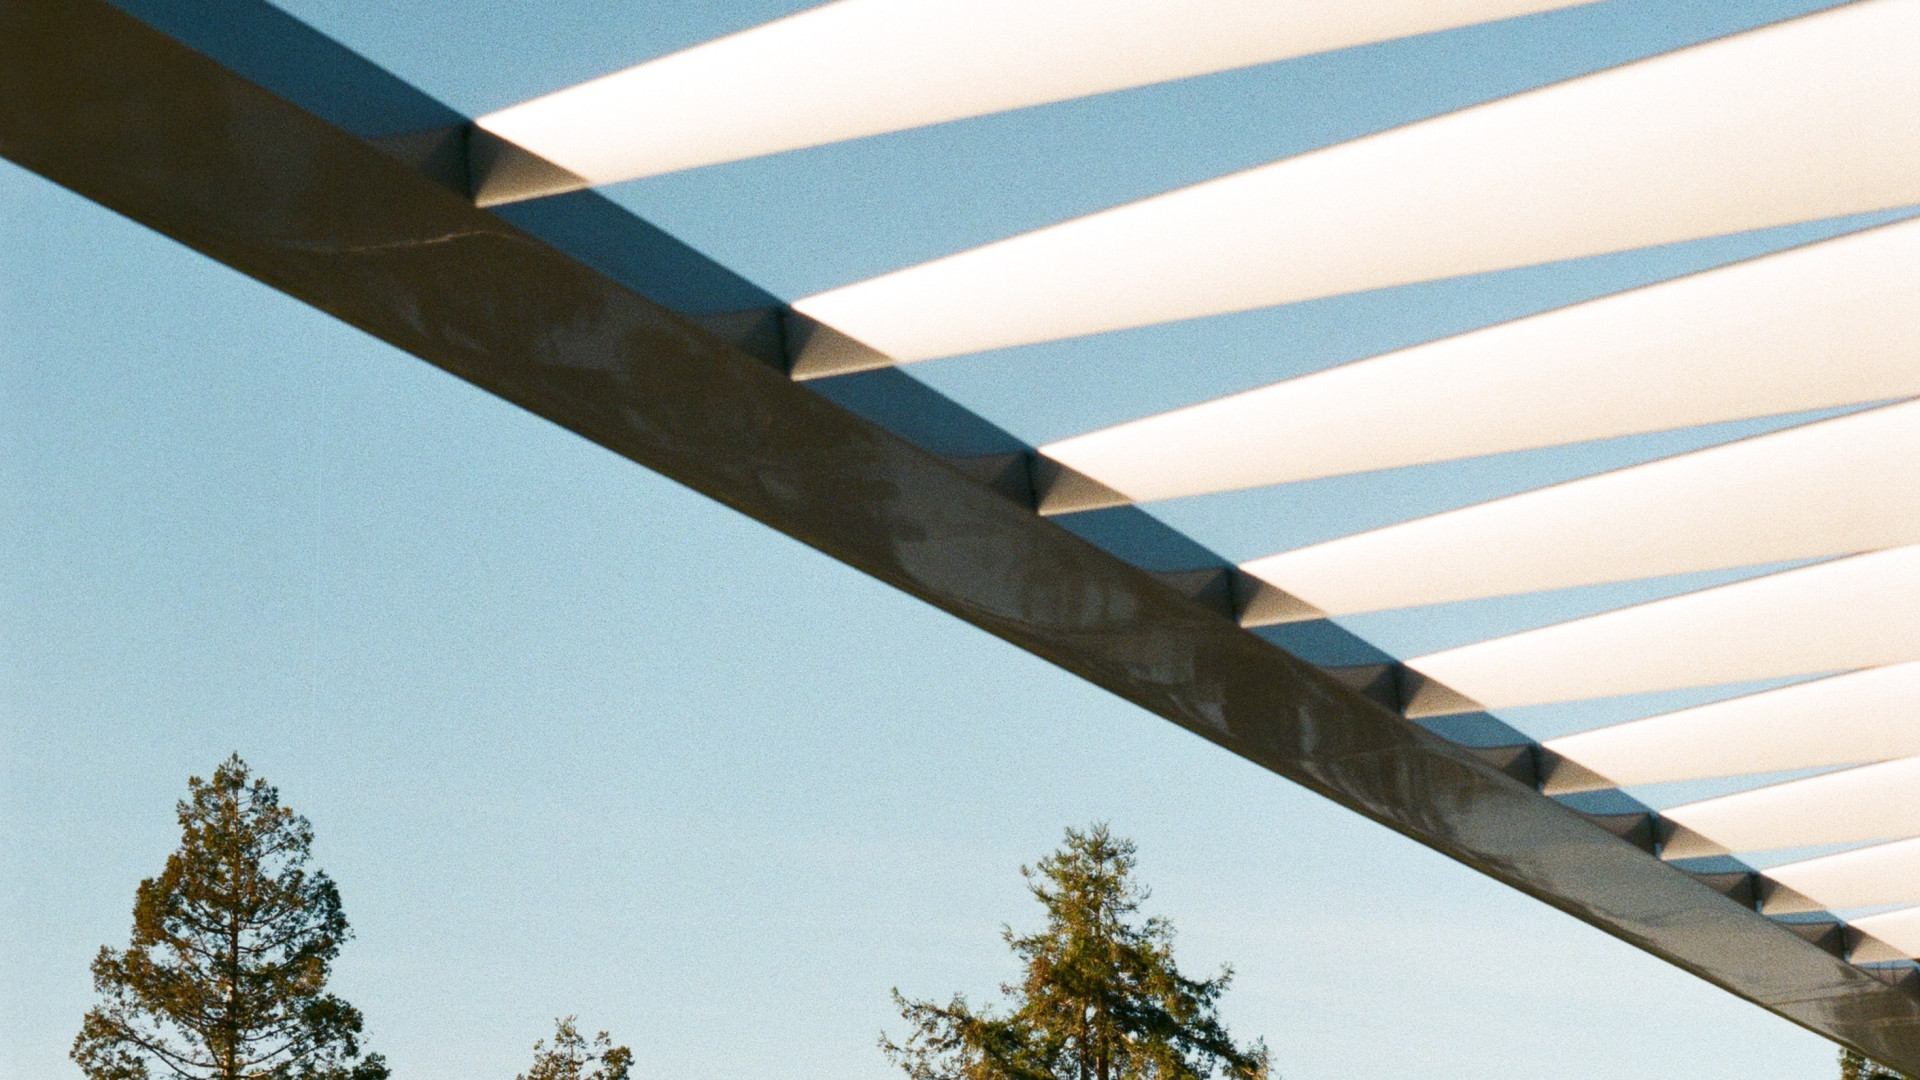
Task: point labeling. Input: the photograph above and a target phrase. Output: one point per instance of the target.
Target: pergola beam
(99, 101)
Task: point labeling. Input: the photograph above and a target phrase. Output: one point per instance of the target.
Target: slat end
(1425, 697)
(818, 351)
(1061, 490)
(1262, 603)
(500, 172)
(1681, 842)
(1777, 899)
(1563, 776)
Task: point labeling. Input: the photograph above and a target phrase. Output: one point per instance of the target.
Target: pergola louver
(1863, 877)
(865, 67)
(1713, 139)
(1872, 802)
(1836, 487)
(1846, 719)
(1827, 324)
(370, 214)
(1858, 612)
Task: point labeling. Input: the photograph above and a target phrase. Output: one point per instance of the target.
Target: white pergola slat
(1838, 487)
(1860, 717)
(1831, 323)
(1843, 615)
(1813, 118)
(864, 67)
(1893, 935)
(1865, 877)
(1808, 119)
(1872, 802)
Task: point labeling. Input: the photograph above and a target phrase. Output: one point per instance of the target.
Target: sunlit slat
(1865, 877)
(1831, 323)
(1841, 486)
(1812, 118)
(863, 67)
(1872, 802)
(1857, 612)
(1863, 716)
(1892, 935)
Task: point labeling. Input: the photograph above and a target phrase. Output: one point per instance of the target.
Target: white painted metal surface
(1865, 877)
(1893, 935)
(1863, 716)
(1845, 485)
(864, 67)
(1872, 802)
(1807, 119)
(1832, 323)
(1857, 612)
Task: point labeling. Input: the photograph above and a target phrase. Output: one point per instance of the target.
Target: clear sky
(575, 740)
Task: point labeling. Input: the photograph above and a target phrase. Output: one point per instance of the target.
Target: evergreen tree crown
(225, 974)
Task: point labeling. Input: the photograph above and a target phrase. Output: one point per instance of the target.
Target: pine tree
(225, 977)
(1101, 997)
(571, 1054)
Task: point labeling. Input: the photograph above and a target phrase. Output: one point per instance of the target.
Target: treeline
(225, 976)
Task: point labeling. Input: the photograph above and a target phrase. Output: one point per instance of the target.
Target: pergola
(479, 246)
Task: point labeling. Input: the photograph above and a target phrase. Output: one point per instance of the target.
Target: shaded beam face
(102, 103)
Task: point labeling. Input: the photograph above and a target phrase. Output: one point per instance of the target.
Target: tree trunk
(230, 1022)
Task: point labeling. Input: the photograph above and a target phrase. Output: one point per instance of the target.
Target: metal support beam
(101, 102)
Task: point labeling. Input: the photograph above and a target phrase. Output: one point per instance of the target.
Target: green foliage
(1101, 998)
(1855, 1067)
(571, 1054)
(952, 1042)
(225, 977)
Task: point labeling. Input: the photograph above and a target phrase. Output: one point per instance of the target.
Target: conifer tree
(571, 1054)
(1100, 998)
(226, 974)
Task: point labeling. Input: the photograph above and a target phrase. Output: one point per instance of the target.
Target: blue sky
(575, 740)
